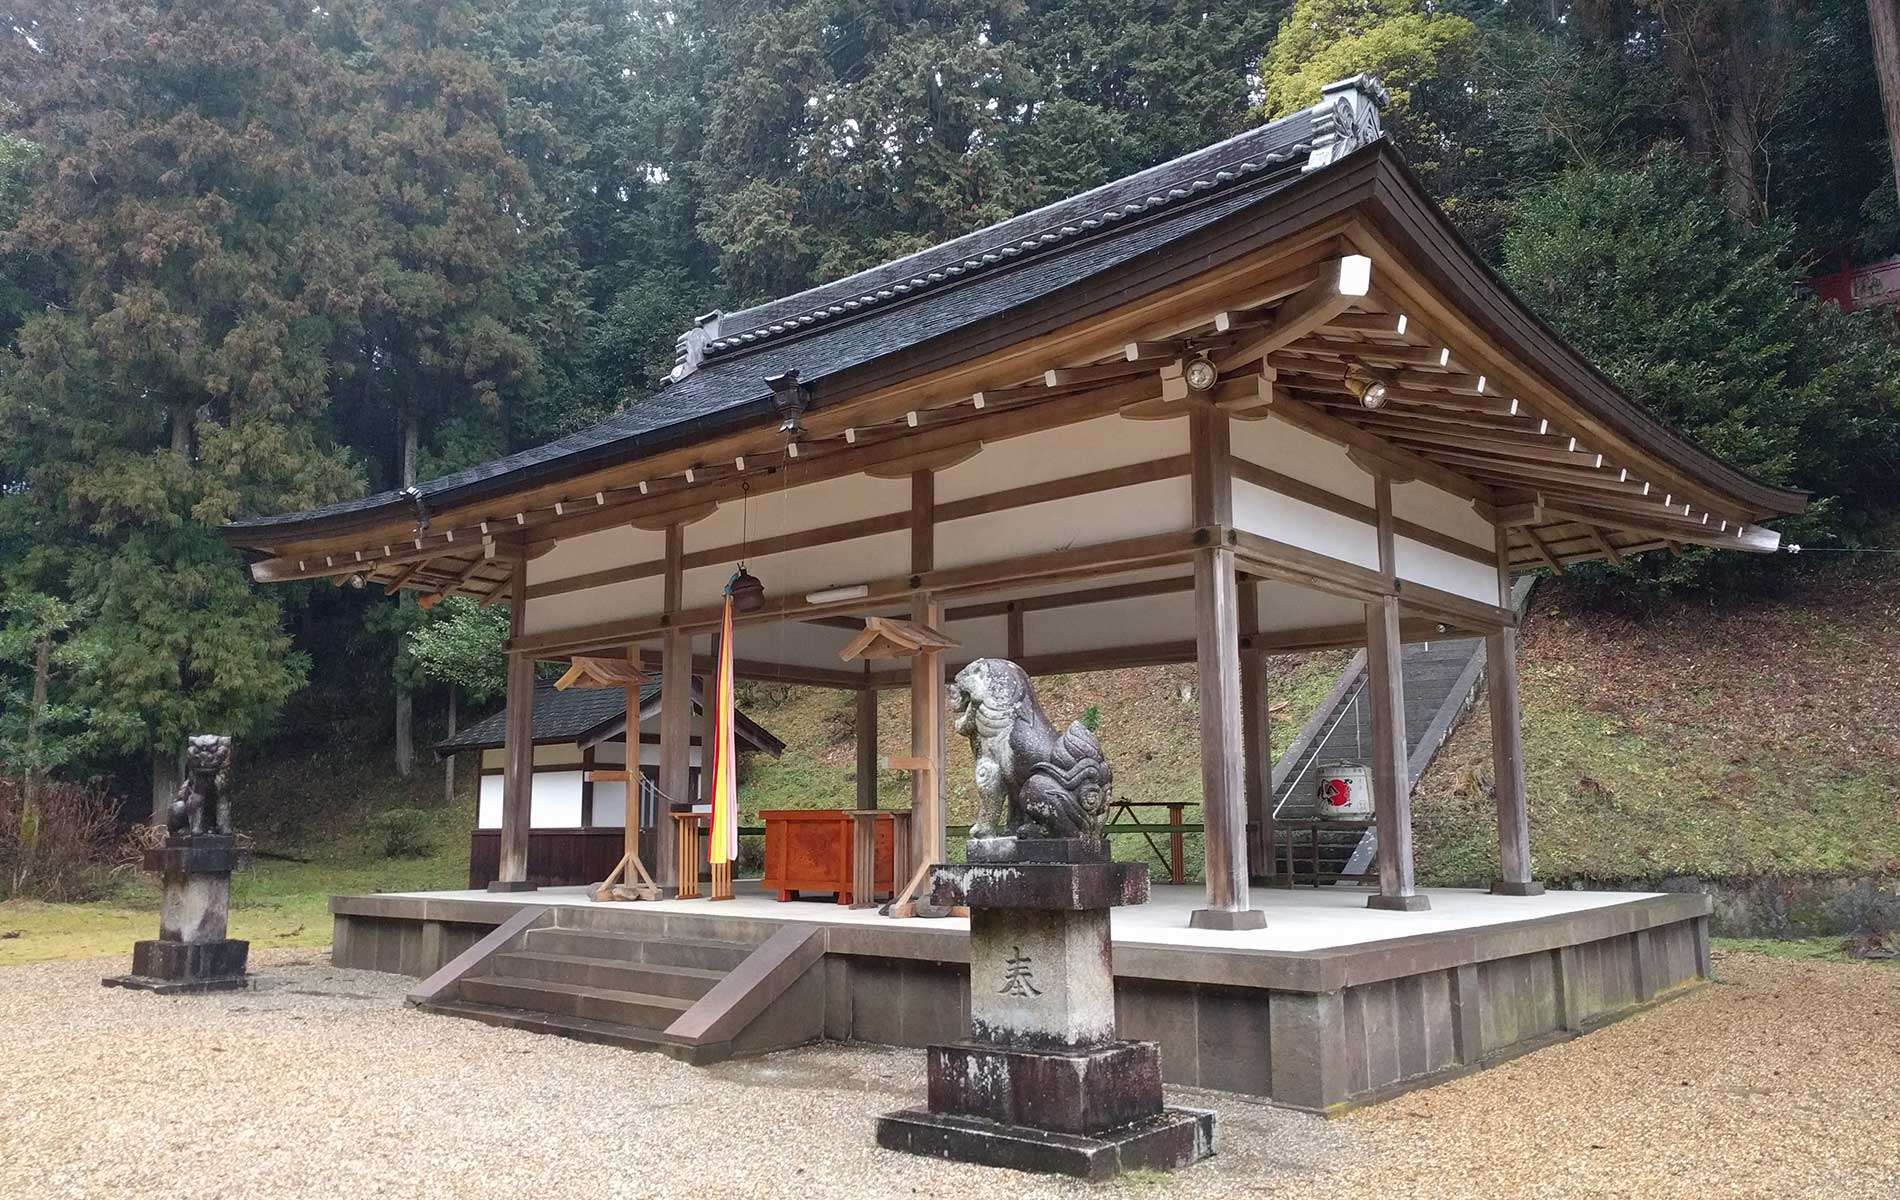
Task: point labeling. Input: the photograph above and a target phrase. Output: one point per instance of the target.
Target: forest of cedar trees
(259, 256)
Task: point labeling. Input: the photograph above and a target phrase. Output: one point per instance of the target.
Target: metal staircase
(1440, 680)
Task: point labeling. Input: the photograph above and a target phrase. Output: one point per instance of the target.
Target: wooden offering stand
(592, 672)
(886, 637)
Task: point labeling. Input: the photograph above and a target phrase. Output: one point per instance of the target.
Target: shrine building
(1260, 399)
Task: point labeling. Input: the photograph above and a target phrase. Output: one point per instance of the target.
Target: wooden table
(810, 850)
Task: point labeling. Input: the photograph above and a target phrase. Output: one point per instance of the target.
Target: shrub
(402, 832)
(60, 847)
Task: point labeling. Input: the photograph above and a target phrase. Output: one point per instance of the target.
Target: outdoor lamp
(748, 594)
(1368, 388)
(1201, 374)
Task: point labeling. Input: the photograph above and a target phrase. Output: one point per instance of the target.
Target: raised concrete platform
(1329, 1005)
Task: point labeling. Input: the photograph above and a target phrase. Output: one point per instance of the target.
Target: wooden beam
(1507, 746)
(1603, 544)
(866, 731)
(1543, 551)
(676, 717)
(1299, 489)
(1256, 739)
(1334, 429)
(517, 785)
(1305, 310)
(1217, 652)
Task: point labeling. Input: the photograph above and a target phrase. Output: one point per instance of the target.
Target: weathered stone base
(1399, 903)
(1508, 887)
(513, 885)
(1176, 1138)
(1227, 918)
(1075, 1091)
(177, 967)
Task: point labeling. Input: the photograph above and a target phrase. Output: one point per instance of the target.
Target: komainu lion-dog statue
(201, 803)
(1031, 782)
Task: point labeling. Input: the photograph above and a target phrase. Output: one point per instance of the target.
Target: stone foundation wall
(1319, 1031)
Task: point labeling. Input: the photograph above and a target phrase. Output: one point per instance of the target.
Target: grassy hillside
(1722, 739)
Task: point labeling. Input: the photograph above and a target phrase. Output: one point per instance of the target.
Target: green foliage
(1091, 718)
(459, 642)
(1403, 42)
(402, 832)
(1695, 317)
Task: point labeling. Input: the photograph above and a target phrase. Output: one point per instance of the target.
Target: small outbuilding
(576, 825)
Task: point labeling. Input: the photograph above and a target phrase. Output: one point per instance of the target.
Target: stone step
(654, 979)
(641, 1010)
(584, 1029)
(703, 953)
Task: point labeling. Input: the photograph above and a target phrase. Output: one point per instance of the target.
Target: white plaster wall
(1078, 449)
(614, 602)
(620, 546)
(772, 510)
(796, 572)
(795, 643)
(1136, 621)
(556, 803)
(978, 637)
(1284, 606)
(610, 805)
(1448, 572)
(1297, 523)
(1158, 507)
(1308, 457)
(1437, 509)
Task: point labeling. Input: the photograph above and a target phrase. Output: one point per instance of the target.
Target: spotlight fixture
(1366, 387)
(1201, 374)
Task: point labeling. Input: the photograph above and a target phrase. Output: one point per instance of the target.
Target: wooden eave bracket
(590, 672)
(887, 637)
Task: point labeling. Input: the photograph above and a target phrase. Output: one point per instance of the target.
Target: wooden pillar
(630, 821)
(867, 747)
(1385, 691)
(1217, 653)
(1256, 741)
(587, 788)
(517, 778)
(1507, 747)
(676, 715)
(926, 685)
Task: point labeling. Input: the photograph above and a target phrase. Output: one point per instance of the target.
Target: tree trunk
(448, 760)
(181, 430)
(35, 770)
(405, 698)
(165, 773)
(1884, 17)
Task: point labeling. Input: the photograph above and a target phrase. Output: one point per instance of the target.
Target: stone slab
(1035, 850)
(1399, 903)
(512, 885)
(164, 966)
(1177, 1138)
(1085, 1091)
(1047, 887)
(194, 854)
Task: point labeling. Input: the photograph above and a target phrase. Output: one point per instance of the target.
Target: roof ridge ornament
(1346, 118)
(689, 348)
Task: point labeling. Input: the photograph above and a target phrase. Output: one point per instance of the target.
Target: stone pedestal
(1043, 1083)
(191, 952)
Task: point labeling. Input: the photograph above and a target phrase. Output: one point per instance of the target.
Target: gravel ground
(1781, 1081)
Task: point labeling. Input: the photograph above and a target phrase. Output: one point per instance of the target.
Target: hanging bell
(748, 594)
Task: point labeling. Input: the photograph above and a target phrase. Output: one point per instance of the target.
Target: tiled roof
(580, 713)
